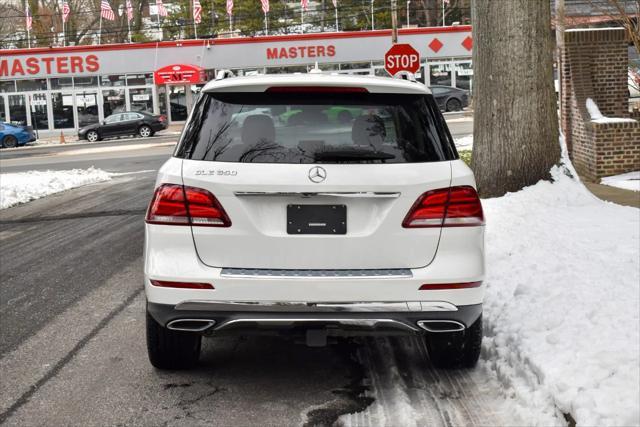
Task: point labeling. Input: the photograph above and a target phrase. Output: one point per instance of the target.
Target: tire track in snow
(408, 391)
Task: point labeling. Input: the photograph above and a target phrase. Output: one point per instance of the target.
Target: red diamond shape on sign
(435, 45)
(467, 43)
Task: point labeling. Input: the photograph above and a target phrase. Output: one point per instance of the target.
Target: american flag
(335, 3)
(162, 11)
(197, 12)
(129, 11)
(106, 12)
(28, 18)
(265, 6)
(65, 11)
(304, 4)
(229, 7)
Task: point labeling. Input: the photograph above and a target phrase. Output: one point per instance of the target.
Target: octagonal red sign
(401, 57)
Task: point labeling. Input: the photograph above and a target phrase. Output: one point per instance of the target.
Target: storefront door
(39, 111)
(87, 108)
(18, 109)
(178, 103)
(62, 109)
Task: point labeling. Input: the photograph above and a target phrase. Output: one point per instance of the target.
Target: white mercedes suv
(314, 204)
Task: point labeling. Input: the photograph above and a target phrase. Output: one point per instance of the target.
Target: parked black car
(450, 98)
(126, 123)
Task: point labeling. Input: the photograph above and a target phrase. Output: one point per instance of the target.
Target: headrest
(258, 128)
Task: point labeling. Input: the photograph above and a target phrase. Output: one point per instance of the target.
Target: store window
(162, 99)
(7, 86)
(39, 116)
(61, 83)
(139, 79)
(3, 114)
(141, 100)
(113, 101)
(31, 85)
(62, 108)
(464, 75)
(113, 80)
(17, 109)
(80, 82)
(87, 106)
(440, 74)
(178, 103)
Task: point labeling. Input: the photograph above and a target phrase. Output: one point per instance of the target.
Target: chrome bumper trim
(360, 323)
(353, 194)
(315, 307)
(394, 273)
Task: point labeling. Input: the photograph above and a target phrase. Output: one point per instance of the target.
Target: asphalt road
(72, 347)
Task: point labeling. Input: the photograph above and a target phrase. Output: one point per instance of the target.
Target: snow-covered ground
(22, 187)
(627, 181)
(563, 302)
(464, 143)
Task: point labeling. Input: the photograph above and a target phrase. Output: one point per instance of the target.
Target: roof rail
(405, 75)
(224, 74)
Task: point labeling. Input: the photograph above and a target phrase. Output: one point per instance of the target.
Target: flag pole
(336, 9)
(64, 36)
(266, 24)
(193, 12)
(302, 19)
(159, 28)
(100, 30)
(443, 13)
(128, 26)
(373, 25)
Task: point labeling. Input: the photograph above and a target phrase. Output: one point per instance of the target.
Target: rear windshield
(316, 128)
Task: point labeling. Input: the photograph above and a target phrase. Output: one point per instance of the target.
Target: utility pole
(394, 21)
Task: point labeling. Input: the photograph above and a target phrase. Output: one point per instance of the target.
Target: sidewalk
(615, 195)
(53, 137)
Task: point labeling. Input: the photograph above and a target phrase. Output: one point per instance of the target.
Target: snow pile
(627, 181)
(597, 117)
(563, 302)
(464, 143)
(16, 188)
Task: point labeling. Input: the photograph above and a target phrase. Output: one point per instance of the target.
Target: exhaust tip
(438, 326)
(190, 325)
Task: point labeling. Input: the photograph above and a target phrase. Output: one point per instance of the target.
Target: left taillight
(446, 207)
(174, 204)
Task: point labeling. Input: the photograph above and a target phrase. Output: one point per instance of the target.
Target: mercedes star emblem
(317, 174)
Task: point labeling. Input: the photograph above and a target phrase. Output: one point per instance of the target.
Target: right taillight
(174, 204)
(446, 207)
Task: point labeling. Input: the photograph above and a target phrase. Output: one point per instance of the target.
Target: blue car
(15, 135)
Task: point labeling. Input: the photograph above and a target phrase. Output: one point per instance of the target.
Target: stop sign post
(401, 57)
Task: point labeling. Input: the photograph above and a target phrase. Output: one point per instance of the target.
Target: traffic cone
(62, 141)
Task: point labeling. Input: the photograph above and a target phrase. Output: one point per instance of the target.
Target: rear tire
(451, 350)
(145, 131)
(9, 141)
(169, 349)
(454, 105)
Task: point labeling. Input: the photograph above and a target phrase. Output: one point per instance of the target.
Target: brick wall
(594, 66)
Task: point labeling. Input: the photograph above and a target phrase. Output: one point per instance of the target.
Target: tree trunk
(515, 128)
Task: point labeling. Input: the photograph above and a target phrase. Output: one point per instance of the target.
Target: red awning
(179, 74)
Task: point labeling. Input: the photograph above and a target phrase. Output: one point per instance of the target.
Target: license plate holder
(317, 219)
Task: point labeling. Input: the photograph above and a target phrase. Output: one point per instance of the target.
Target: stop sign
(401, 57)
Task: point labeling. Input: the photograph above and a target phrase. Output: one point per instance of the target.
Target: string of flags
(107, 13)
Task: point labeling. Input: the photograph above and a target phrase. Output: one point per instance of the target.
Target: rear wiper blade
(351, 155)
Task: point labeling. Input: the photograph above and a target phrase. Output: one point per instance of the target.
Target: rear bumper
(214, 317)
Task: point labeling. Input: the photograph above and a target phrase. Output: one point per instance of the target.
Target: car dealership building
(64, 88)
